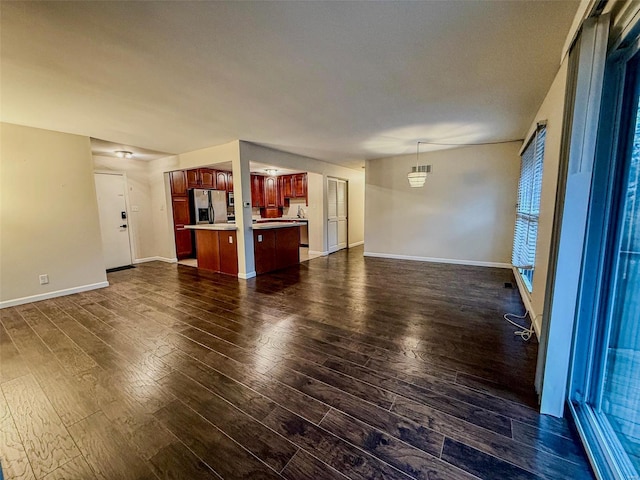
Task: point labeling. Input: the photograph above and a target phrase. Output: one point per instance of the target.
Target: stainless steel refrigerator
(208, 206)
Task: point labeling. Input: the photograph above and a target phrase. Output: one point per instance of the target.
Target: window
(528, 209)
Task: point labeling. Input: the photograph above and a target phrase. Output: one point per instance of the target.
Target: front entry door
(114, 222)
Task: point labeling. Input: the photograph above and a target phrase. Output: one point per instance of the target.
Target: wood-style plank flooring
(342, 367)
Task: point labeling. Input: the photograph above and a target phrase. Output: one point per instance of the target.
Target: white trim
(316, 252)
(57, 293)
(526, 299)
(247, 276)
(455, 261)
(155, 259)
(355, 244)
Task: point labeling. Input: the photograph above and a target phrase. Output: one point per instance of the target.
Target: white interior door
(337, 214)
(114, 223)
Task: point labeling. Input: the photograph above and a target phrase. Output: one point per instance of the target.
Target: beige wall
(161, 214)
(48, 215)
(315, 211)
(465, 213)
(268, 156)
(551, 110)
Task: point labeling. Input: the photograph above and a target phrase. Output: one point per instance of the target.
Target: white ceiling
(339, 81)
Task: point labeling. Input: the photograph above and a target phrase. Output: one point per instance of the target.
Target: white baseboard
(316, 252)
(48, 295)
(526, 299)
(356, 244)
(246, 276)
(473, 263)
(155, 259)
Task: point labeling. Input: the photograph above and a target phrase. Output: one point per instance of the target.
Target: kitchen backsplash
(294, 203)
(291, 211)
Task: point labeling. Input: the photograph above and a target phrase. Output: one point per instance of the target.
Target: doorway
(337, 226)
(114, 219)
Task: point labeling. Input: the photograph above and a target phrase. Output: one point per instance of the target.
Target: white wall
(48, 215)
(268, 156)
(551, 110)
(465, 213)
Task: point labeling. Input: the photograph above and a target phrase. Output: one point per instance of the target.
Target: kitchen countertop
(213, 226)
(282, 219)
(270, 225)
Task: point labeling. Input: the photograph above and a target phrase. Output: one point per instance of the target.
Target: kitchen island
(276, 245)
(216, 247)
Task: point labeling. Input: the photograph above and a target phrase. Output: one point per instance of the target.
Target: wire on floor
(524, 333)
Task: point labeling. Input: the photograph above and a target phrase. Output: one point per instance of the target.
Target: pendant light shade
(418, 174)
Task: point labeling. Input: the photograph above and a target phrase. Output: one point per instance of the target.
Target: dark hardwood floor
(342, 367)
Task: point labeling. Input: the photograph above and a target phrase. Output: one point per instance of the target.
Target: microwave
(231, 200)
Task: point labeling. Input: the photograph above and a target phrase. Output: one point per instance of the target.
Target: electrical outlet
(44, 279)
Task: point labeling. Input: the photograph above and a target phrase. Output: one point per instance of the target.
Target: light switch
(230, 239)
(259, 238)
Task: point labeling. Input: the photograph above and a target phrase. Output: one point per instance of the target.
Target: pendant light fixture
(418, 174)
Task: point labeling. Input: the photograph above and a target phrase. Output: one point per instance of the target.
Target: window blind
(528, 209)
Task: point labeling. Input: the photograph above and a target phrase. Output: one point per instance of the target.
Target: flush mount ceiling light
(124, 154)
(271, 171)
(418, 174)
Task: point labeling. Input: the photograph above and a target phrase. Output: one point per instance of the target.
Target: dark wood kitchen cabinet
(178, 181)
(201, 178)
(221, 180)
(257, 191)
(287, 186)
(229, 182)
(299, 185)
(217, 251)
(276, 248)
(207, 178)
(264, 248)
(228, 252)
(182, 217)
(271, 199)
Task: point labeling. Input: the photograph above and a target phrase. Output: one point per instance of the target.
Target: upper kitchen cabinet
(201, 178)
(179, 183)
(221, 180)
(293, 186)
(287, 186)
(257, 191)
(207, 178)
(229, 182)
(299, 185)
(271, 197)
